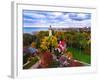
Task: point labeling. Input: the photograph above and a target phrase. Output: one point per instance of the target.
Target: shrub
(46, 59)
(27, 39)
(32, 62)
(25, 58)
(47, 43)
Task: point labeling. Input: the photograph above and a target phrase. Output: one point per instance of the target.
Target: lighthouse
(50, 31)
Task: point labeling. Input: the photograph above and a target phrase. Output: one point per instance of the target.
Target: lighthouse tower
(50, 31)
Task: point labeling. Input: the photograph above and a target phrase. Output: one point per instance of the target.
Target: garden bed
(31, 62)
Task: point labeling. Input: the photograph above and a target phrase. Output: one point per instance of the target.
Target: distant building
(86, 29)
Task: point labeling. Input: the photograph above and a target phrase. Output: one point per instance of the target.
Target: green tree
(27, 39)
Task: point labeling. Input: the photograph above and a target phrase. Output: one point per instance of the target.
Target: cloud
(79, 16)
(43, 18)
(33, 15)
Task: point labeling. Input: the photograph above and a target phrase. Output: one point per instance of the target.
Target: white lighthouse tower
(50, 31)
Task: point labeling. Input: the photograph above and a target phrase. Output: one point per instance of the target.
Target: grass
(80, 55)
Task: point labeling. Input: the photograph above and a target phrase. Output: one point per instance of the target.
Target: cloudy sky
(65, 19)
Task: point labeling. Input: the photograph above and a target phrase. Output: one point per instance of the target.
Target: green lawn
(80, 55)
